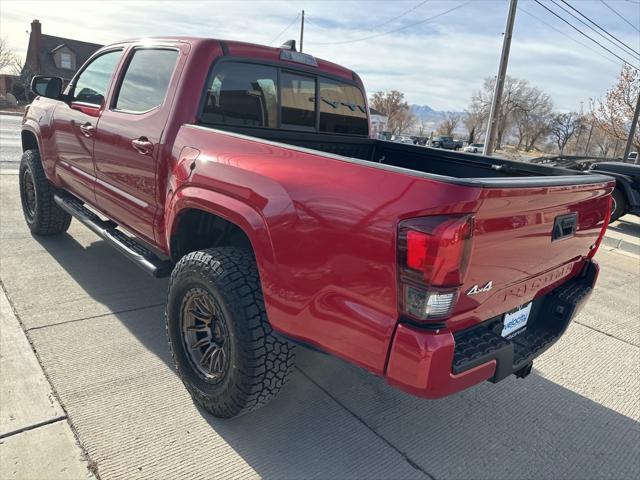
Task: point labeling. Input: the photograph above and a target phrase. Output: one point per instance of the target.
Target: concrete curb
(620, 244)
(14, 114)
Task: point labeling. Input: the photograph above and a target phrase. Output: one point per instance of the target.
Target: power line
(386, 22)
(594, 23)
(424, 20)
(585, 35)
(618, 14)
(589, 47)
(284, 30)
(397, 16)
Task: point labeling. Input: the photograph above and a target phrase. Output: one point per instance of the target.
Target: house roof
(373, 111)
(49, 44)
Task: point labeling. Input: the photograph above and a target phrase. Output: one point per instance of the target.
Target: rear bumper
(434, 364)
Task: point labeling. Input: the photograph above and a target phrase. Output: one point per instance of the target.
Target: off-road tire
(42, 214)
(259, 361)
(618, 205)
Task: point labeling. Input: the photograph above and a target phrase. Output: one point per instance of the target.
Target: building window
(65, 60)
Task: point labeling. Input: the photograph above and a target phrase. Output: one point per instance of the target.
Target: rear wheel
(618, 205)
(42, 214)
(222, 344)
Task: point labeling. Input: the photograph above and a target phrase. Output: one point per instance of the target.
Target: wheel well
(29, 141)
(198, 229)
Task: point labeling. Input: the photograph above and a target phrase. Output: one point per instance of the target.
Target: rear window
(298, 98)
(264, 96)
(342, 108)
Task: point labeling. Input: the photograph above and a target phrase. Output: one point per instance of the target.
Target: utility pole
(494, 115)
(301, 30)
(632, 130)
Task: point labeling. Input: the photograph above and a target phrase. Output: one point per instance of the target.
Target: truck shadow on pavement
(333, 419)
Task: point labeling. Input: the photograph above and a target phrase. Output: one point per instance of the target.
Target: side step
(108, 231)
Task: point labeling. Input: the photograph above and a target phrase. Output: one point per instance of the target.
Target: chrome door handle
(87, 129)
(142, 145)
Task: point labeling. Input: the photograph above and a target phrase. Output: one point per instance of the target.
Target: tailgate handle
(564, 226)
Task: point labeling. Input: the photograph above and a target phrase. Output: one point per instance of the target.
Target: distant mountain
(427, 113)
(431, 118)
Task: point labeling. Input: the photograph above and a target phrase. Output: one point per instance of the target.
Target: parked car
(626, 195)
(402, 139)
(633, 157)
(474, 148)
(443, 141)
(247, 174)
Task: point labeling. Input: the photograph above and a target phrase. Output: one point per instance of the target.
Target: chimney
(35, 41)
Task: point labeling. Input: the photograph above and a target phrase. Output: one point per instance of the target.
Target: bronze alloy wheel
(205, 335)
(29, 194)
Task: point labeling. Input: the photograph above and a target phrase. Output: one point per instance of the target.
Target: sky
(438, 62)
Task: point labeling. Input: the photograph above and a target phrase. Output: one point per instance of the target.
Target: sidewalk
(36, 442)
(624, 234)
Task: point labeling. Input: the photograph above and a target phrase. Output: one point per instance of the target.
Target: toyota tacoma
(247, 174)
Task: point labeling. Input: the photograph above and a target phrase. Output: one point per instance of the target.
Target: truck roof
(248, 50)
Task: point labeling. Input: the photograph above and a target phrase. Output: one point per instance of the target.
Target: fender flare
(239, 213)
(624, 184)
(34, 129)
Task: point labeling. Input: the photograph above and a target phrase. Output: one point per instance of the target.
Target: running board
(108, 231)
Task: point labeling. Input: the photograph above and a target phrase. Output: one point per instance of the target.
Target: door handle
(142, 145)
(87, 129)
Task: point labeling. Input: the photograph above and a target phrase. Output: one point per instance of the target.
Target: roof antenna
(289, 45)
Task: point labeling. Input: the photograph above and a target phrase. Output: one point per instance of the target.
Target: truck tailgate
(525, 243)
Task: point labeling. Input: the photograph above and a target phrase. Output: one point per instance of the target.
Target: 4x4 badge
(477, 289)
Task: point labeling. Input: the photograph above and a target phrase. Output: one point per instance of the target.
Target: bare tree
(514, 93)
(421, 127)
(532, 116)
(393, 105)
(563, 127)
(603, 143)
(22, 84)
(7, 57)
(613, 114)
(473, 121)
(449, 124)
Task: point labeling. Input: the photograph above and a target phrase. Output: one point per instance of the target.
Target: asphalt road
(96, 324)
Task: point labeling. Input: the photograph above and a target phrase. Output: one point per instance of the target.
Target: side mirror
(50, 87)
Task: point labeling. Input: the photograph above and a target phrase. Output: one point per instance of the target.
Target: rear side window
(91, 85)
(242, 94)
(298, 98)
(145, 82)
(342, 108)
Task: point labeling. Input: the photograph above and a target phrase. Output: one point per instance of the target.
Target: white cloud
(439, 63)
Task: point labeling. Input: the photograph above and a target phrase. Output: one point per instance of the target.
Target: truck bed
(461, 168)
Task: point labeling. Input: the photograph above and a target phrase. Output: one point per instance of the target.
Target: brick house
(55, 56)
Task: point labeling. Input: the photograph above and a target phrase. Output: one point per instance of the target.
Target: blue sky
(438, 62)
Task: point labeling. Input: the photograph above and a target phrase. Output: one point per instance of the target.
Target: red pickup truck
(248, 175)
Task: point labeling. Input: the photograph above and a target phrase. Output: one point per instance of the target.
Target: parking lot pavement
(96, 322)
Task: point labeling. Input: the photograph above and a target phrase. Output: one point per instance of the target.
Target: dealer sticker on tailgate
(516, 320)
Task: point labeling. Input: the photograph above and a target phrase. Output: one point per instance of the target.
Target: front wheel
(42, 214)
(223, 346)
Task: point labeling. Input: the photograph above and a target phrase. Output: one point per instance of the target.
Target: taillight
(433, 256)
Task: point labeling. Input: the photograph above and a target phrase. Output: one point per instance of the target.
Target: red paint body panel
(323, 229)
(420, 363)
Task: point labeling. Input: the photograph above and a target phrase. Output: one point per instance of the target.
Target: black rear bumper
(550, 316)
